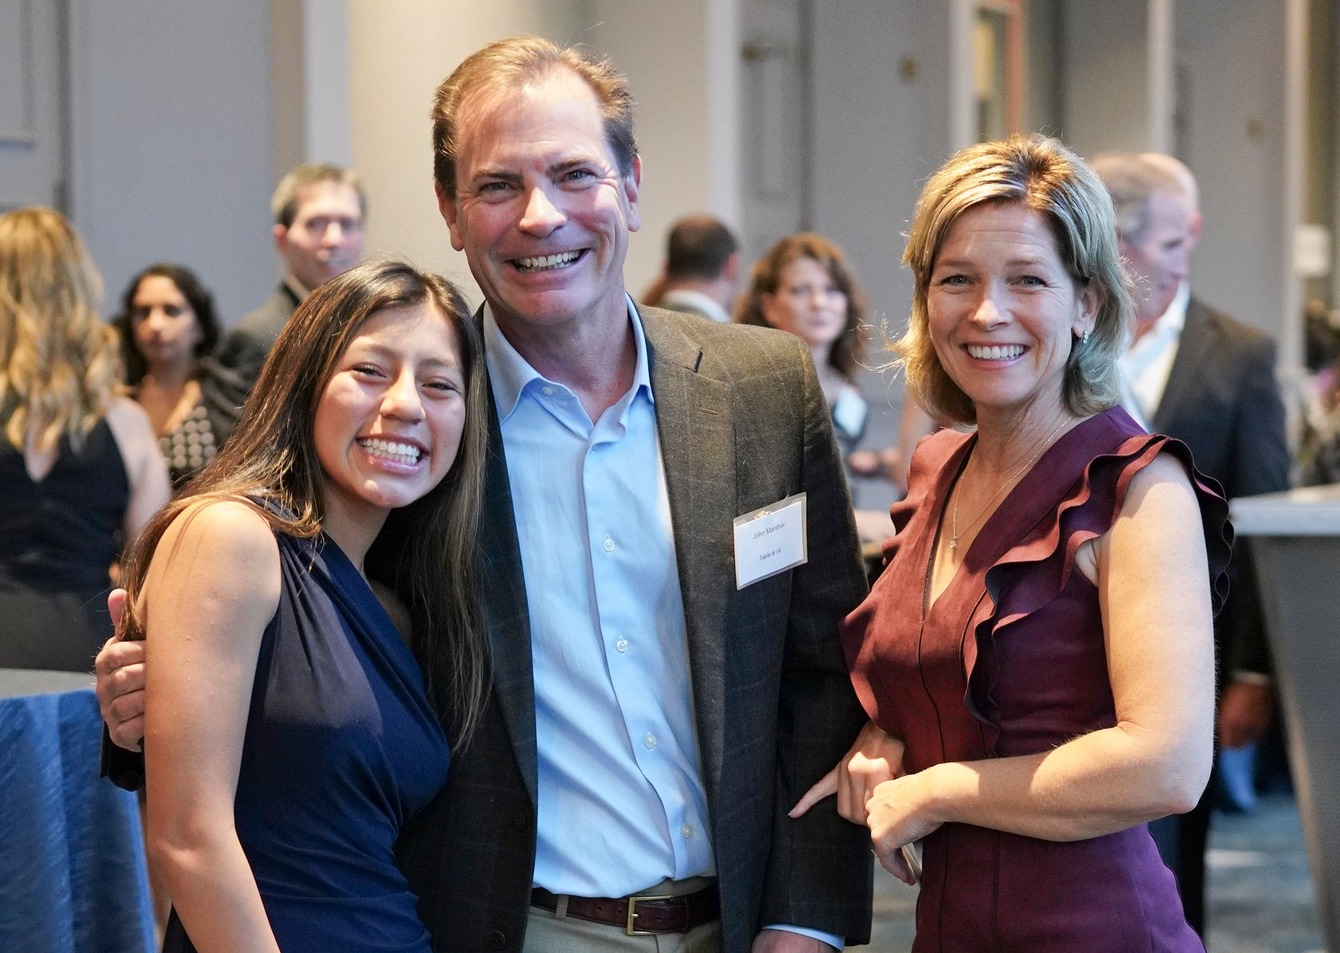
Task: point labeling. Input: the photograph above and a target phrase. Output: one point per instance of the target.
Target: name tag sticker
(770, 540)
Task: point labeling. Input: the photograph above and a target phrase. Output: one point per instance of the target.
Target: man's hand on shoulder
(120, 683)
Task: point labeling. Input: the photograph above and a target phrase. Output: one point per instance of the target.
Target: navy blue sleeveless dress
(342, 747)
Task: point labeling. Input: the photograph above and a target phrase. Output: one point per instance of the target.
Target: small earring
(1084, 338)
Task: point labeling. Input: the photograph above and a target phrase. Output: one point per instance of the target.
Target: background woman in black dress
(79, 465)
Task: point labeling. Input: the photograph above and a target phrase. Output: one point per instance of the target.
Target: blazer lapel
(696, 428)
(1193, 347)
(506, 613)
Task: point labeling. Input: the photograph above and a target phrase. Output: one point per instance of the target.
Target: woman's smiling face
(1004, 310)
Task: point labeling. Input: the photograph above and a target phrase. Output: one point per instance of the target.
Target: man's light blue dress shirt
(621, 798)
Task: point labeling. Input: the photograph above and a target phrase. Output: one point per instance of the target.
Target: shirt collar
(1171, 322)
(697, 300)
(510, 373)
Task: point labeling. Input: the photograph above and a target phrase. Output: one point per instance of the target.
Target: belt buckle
(629, 927)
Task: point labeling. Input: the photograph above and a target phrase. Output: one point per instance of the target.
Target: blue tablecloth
(72, 873)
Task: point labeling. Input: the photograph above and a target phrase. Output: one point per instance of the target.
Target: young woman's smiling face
(389, 420)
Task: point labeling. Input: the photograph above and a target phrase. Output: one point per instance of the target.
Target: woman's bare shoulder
(222, 544)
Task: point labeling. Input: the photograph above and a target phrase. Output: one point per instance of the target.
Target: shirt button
(548, 390)
(649, 741)
(607, 545)
(621, 645)
(687, 831)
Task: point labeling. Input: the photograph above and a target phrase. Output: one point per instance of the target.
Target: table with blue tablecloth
(72, 871)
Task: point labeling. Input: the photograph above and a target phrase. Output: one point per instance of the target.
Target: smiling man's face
(541, 209)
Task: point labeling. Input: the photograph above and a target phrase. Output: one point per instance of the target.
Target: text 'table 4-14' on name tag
(770, 540)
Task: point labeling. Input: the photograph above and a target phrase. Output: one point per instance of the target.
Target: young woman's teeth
(399, 452)
(546, 262)
(995, 353)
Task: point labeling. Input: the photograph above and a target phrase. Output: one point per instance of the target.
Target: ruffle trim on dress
(1033, 572)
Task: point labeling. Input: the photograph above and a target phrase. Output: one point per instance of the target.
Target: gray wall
(171, 141)
(878, 134)
(1104, 99)
(1230, 56)
(179, 136)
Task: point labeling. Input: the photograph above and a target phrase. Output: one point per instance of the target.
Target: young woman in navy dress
(290, 732)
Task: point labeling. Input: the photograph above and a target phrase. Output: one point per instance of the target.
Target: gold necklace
(953, 529)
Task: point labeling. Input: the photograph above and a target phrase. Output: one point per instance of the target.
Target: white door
(777, 139)
(33, 157)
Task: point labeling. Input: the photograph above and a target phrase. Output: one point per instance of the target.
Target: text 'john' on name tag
(770, 540)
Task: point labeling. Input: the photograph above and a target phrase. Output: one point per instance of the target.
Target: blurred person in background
(1197, 374)
(167, 325)
(804, 285)
(80, 468)
(318, 211)
(702, 269)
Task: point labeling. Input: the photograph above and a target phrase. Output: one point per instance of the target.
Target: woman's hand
(874, 758)
(900, 814)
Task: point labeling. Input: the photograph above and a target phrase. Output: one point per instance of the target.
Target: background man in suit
(318, 231)
(1196, 374)
(702, 269)
(652, 719)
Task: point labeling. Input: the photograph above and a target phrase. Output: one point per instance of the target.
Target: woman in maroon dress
(1037, 658)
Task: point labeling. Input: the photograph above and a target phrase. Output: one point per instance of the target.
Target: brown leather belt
(641, 915)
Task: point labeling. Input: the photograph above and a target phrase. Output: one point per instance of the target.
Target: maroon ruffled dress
(1010, 660)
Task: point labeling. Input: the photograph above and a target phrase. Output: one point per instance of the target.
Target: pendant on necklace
(953, 544)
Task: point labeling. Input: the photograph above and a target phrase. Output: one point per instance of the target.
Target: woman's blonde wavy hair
(59, 361)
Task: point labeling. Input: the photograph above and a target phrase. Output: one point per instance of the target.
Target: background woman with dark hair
(803, 285)
(79, 466)
(290, 733)
(167, 325)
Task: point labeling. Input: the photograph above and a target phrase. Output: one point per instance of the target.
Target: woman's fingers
(827, 786)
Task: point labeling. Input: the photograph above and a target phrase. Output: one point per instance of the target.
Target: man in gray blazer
(665, 686)
(1197, 374)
